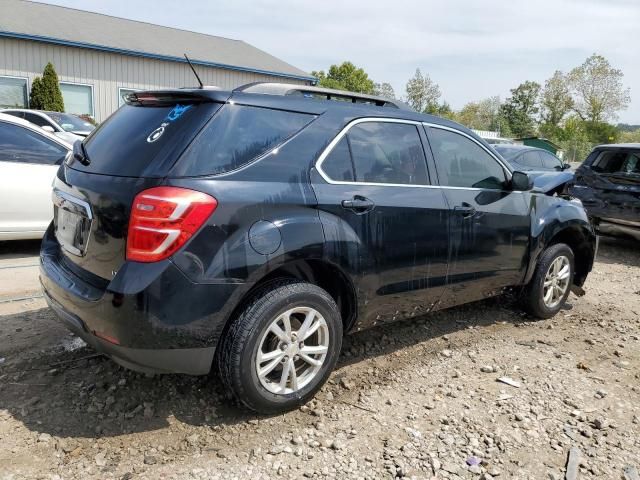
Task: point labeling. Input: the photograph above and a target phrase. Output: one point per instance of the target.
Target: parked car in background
(608, 184)
(29, 159)
(253, 227)
(64, 125)
(527, 159)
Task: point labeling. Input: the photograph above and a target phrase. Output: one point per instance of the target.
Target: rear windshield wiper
(80, 153)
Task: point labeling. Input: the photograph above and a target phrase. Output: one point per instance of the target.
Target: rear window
(144, 140)
(236, 136)
(617, 162)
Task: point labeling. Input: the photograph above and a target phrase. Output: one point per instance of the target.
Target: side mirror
(520, 182)
(48, 128)
(566, 166)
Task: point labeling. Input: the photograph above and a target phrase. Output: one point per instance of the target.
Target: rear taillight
(163, 219)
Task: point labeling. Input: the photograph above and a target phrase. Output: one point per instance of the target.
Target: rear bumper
(193, 361)
(149, 318)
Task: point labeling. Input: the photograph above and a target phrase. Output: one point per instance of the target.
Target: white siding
(107, 72)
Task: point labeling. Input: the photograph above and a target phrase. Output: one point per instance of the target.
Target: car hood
(545, 182)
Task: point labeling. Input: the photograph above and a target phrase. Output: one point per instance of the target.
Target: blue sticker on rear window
(177, 112)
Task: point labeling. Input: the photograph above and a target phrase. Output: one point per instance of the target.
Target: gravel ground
(416, 399)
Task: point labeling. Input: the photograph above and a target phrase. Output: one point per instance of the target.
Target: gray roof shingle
(39, 21)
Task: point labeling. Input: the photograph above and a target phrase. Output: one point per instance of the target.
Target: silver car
(29, 160)
(64, 125)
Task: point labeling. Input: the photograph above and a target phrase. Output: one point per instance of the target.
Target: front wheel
(549, 288)
(282, 347)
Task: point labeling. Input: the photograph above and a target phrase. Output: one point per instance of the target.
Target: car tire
(538, 300)
(253, 333)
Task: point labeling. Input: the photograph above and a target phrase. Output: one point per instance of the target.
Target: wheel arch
(579, 236)
(322, 273)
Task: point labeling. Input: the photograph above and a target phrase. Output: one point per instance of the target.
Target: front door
(383, 222)
(489, 224)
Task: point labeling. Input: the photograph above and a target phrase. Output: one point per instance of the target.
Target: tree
(345, 77)
(555, 104)
(521, 108)
(482, 115)
(574, 140)
(630, 136)
(423, 94)
(37, 97)
(45, 91)
(598, 90)
(384, 90)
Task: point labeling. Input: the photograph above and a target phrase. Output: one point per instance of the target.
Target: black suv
(608, 183)
(251, 229)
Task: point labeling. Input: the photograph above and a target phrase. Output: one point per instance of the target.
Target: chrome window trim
(329, 148)
(339, 137)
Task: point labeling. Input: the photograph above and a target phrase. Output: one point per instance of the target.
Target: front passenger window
(550, 161)
(461, 162)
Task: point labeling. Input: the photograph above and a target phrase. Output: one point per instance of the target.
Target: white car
(29, 160)
(64, 125)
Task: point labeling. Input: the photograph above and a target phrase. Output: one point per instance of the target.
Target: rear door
(609, 184)
(28, 165)
(383, 220)
(489, 224)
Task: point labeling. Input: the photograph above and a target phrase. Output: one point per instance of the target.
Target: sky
(472, 49)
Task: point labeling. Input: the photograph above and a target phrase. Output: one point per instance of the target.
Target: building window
(78, 98)
(123, 92)
(13, 92)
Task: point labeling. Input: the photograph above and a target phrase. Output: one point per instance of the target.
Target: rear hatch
(131, 151)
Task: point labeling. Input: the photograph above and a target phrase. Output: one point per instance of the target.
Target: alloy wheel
(556, 281)
(292, 350)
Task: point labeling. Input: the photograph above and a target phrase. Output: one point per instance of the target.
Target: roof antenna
(194, 71)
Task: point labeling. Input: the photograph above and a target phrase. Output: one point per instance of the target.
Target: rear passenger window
(236, 136)
(461, 162)
(338, 164)
(380, 152)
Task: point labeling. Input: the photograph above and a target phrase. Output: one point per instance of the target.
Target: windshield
(70, 123)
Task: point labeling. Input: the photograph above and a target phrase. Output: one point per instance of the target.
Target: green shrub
(45, 91)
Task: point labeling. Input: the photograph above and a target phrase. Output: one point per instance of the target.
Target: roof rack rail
(270, 88)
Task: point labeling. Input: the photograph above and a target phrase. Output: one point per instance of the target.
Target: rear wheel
(549, 288)
(282, 347)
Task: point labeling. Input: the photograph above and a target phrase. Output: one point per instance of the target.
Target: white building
(98, 58)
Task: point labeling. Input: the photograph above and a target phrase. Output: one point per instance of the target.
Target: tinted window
(461, 162)
(36, 120)
(70, 123)
(550, 161)
(14, 113)
(338, 164)
(617, 162)
(385, 152)
(530, 159)
(236, 136)
(144, 140)
(632, 164)
(18, 144)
